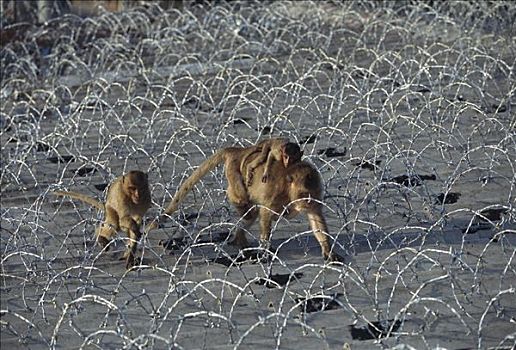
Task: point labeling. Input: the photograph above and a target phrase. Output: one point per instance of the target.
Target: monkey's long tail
(188, 184)
(87, 199)
(206, 166)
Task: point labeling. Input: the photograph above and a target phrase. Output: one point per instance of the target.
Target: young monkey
(128, 199)
(272, 150)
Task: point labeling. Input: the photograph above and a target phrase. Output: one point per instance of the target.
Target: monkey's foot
(333, 257)
(103, 242)
(243, 203)
(265, 244)
(131, 261)
(264, 255)
(240, 241)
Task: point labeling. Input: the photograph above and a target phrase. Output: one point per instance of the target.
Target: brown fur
(128, 199)
(270, 150)
(296, 187)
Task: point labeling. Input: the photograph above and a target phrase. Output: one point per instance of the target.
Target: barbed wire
(405, 108)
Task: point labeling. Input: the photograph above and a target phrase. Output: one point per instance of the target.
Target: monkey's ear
(290, 178)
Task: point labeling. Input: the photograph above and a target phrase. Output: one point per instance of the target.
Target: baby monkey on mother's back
(289, 185)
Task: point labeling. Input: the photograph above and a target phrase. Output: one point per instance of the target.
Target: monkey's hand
(333, 257)
(153, 225)
(103, 242)
(249, 178)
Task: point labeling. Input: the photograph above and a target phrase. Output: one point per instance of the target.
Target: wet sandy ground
(408, 112)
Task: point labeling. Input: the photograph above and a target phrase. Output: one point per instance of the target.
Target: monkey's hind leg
(248, 218)
(237, 192)
(265, 227)
(320, 231)
(264, 254)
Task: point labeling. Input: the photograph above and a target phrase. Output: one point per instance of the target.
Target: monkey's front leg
(263, 254)
(132, 228)
(320, 230)
(265, 228)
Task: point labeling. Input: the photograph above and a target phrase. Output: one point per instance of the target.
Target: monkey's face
(136, 186)
(290, 154)
(284, 159)
(133, 193)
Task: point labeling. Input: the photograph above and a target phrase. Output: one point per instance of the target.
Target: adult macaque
(296, 188)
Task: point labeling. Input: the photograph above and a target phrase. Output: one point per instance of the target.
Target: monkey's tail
(206, 166)
(87, 199)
